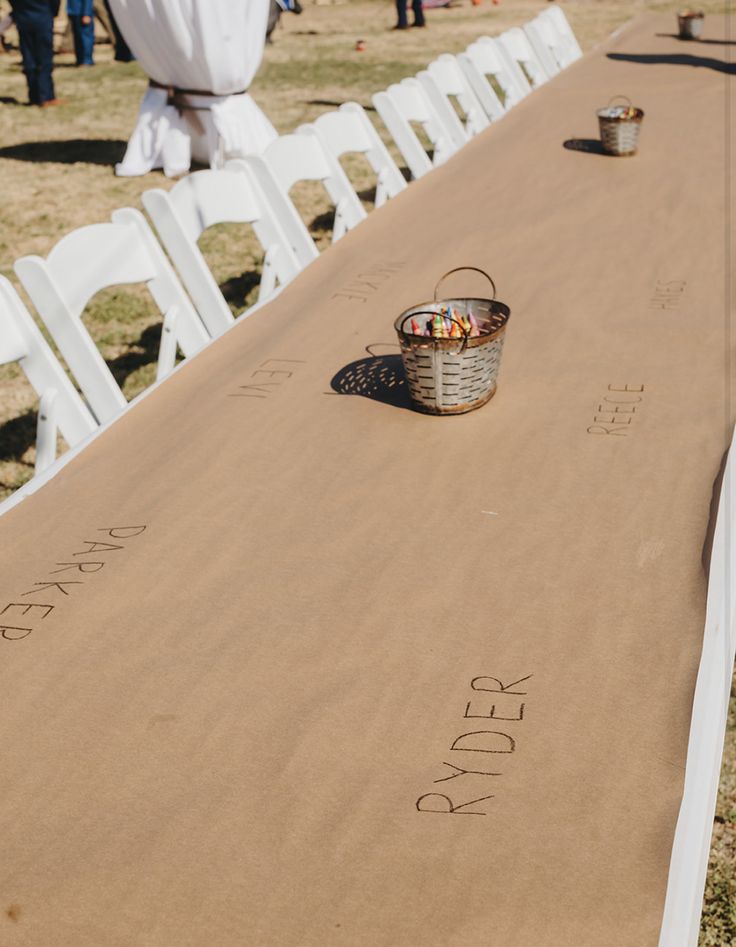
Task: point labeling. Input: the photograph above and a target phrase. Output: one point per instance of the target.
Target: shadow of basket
(378, 377)
(590, 146)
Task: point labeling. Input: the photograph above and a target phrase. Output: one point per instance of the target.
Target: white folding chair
(60, 406)
(201, 200)
(518, 48)
(90, 259)
(483, 59)
(443, 79)
(557, 16)
(293, 158)
(406, 102)
(546, 43)
(349, 130)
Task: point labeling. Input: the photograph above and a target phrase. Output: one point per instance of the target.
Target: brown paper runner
(288, 666)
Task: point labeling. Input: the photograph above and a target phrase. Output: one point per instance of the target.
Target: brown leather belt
(174, 91)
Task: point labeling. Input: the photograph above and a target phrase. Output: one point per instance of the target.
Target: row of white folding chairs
(513, 64)
(254, 190)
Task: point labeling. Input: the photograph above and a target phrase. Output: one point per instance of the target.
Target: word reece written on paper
(616, 410)
(491, 700)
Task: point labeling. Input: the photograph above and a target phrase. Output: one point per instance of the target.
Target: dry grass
(56, 169)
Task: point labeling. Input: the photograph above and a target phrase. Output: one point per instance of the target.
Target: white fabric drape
(212, 46)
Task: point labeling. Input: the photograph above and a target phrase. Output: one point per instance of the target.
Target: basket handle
(430, 312)
(457, 269)
(626, 99)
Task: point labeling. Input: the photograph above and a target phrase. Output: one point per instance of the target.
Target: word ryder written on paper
(491, 700)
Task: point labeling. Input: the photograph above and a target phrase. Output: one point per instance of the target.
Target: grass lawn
(57, 174)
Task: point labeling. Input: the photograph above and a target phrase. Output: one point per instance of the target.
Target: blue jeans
(36, 36)
(84, 39)
(416, 6)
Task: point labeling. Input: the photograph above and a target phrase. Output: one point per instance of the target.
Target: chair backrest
(547, 44)
(349, 130)
(485, 58)
(86, 261)
(293, 158)
(406, 102)
(443, 80)
(557, 16)
(519, 49)
(201, 200)
(21, 341)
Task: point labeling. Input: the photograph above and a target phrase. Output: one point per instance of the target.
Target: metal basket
(690, 24)
(619, 135)
(454, 376)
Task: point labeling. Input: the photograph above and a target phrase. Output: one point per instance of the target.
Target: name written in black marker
(267, 378)
(368, 281)
(491, 700)
(667, 294)
(616, 410)
(19, 619)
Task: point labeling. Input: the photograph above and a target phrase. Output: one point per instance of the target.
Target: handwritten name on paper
(268, 377)
(667, 294)
(368, 281)
(19, 619)
(616, 410)
(491, 699)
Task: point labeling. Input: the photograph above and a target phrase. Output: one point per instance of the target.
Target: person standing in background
(81, 17)
(416, 6)
(105, 16)
(34, 20)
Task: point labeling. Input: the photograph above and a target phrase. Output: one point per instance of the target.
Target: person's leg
(87, 36)
(122, 51)
(416, 6)
(75, 21)
(401, 23)
(45, 54)
(102, 13)
(27, 40)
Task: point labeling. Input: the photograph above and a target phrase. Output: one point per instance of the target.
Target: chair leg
(339, 226)
(167, 348)
(442, 151)
(381, 191)
(268, 274)
(46, 428)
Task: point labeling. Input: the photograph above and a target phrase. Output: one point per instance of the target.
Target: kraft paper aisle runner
(308, 668)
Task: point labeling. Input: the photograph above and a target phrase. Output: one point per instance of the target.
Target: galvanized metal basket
(619, 128)
(690, 24)
(454, 375)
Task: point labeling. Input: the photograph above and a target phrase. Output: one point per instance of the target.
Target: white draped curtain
(201, 56)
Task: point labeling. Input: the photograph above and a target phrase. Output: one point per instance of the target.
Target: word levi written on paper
(19, 619)
(269, 376)
(491, 700)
